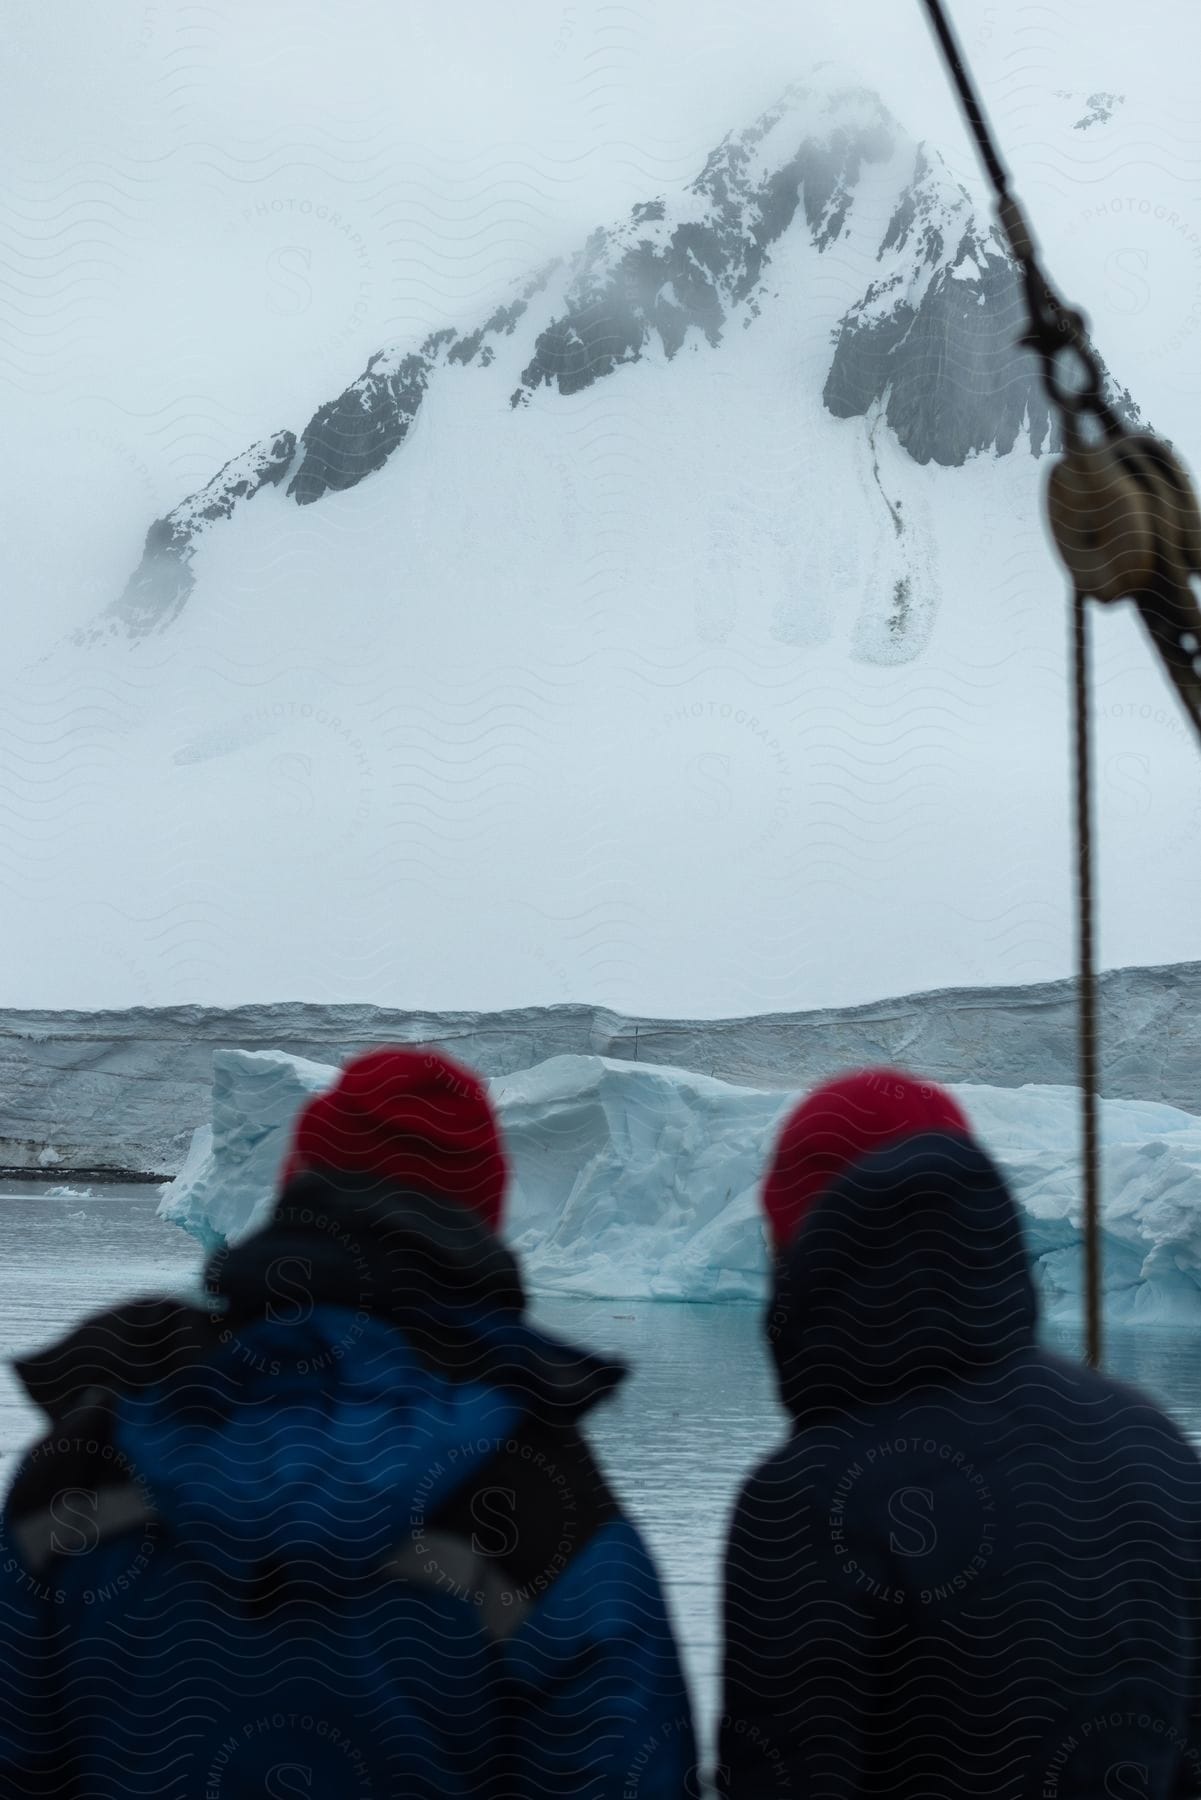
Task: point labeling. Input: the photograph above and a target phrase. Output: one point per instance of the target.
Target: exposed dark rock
(934, 343)
(1099, 107)
(630, 284)
(356, 434)
(163, 579)
(901, 596)
(947, 369)
(503, 322)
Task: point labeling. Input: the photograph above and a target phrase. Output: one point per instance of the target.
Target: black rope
(1055, 328)
(969, 98)
(1086, 978)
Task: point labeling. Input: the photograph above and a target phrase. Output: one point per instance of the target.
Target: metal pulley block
(1126, 522)
(1102, 517)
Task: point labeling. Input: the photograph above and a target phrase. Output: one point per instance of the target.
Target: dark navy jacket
(974, 1568)
(339, 1535)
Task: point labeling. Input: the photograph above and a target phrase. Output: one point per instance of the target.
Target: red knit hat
(838, 1123)
(411, 1117)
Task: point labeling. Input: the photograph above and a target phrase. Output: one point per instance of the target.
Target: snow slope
(679, 637)
(640, 1181)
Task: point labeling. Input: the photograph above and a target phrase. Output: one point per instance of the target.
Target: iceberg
(640, 1181)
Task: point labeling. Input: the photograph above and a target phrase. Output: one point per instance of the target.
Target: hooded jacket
(974, 1567)
(338, 1534)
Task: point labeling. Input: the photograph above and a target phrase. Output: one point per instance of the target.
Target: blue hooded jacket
(338, 1536)
(974, 1567)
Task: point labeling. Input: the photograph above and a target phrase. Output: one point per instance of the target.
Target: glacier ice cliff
(640, 1181)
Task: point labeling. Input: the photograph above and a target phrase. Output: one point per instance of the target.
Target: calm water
(697, 1410)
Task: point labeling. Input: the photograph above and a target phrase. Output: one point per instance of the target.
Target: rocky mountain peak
(929, 346)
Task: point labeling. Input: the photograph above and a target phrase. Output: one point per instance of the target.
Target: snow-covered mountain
(931, 342)
(675, 634)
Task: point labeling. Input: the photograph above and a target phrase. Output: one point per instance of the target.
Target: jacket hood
(364, 1354)
(909, 1273)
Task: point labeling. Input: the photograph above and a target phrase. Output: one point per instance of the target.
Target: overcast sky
(217, 210)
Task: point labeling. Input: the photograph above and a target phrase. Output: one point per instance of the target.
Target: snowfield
(638, 1181)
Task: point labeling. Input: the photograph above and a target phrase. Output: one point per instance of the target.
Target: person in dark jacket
(974, 1567)
(336, 1532)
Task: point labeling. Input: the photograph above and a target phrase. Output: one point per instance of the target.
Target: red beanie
(840, 1122)
(411, 1117)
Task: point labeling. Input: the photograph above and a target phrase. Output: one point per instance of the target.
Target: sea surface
(696, 1411)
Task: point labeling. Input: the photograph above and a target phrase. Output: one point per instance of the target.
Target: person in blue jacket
(337, 1531)
(973, 1567)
